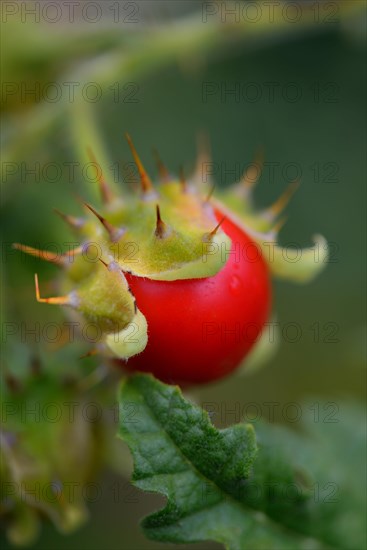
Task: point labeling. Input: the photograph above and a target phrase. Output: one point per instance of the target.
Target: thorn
(72, 253)
(212, 233)
(60, 300)
(113, 266)
(114, 233)
(209, 236)
(103, 262)
(75, 223)
(145, 181)
(42, 254)
(279, 205)
(61, 260)
(129, 176)
(161, 228)
(253, 172)
(135, 304)
(210, 194)
(90, 353)
(203, 156)
(279, 224)
(162, 169)
(103, 187)
(183, 181)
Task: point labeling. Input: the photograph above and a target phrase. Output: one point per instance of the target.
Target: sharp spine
(162, 169)
(145, 181)
(161, 228)
(105, 191)
(90, 353)
(249, 178)
(115, 233)
(279, 205)
(75, 223)
(60, 260)
(210, 194)
(209, 236)
(203, 157)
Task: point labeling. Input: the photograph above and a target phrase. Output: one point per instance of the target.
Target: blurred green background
(322, 133)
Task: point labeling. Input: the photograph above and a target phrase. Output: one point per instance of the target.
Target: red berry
(201, 329)
(178, 290)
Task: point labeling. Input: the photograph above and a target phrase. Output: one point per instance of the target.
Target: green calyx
(164, 232)
(299, 265)
(164, 235)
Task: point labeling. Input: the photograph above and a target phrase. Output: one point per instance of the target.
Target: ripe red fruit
(177, 291)
(200, 330)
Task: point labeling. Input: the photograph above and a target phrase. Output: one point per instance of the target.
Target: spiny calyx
(159, 233)
(166, 232)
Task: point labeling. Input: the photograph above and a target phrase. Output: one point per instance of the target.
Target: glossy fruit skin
(200, 330)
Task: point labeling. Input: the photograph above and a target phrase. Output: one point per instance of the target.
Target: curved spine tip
(59, 300)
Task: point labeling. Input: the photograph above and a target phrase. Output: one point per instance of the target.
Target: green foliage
(221, 485)
(52, 444)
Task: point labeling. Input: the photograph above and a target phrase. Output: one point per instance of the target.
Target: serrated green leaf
(331, 451)
(207, 475)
